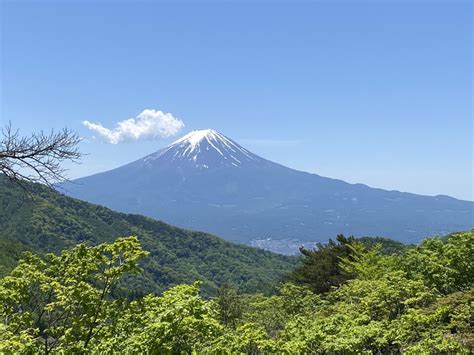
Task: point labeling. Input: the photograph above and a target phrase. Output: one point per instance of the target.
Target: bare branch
(38, 157)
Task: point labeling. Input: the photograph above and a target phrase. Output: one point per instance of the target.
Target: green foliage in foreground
(389, 246)
(47, 221)
(321, 270)
(414, 303)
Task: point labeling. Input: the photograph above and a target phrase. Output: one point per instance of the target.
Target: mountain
(206, 181)
(47, 221)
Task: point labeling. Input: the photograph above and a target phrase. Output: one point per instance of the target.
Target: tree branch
(38, 157)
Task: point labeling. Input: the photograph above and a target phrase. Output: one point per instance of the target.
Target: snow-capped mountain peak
(206, 148)
(208, 182)
(196, 136)
(193, 140)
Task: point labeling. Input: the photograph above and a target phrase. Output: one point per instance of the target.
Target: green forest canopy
(413, 302)
(47, 221)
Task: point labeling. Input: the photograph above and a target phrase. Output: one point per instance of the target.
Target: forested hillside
(419, 301)
(47, 221)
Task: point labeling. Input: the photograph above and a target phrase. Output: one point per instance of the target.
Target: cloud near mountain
(148, 125)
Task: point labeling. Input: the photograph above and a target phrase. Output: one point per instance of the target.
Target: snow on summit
(205, 148)
(195, 137)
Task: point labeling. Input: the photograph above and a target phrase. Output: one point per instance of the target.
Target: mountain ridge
(197, 182)
(46, 221)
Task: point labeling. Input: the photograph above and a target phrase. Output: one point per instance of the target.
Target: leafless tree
(37, 157)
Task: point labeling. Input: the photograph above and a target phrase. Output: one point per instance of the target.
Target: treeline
(344, 298)
(46, 221)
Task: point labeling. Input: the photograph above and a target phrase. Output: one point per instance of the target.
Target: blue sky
(365, 91)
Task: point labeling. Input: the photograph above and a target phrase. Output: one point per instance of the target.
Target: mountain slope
(208, 182)
(51, 222)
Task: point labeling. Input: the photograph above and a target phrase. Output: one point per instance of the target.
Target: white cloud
(148, 125)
